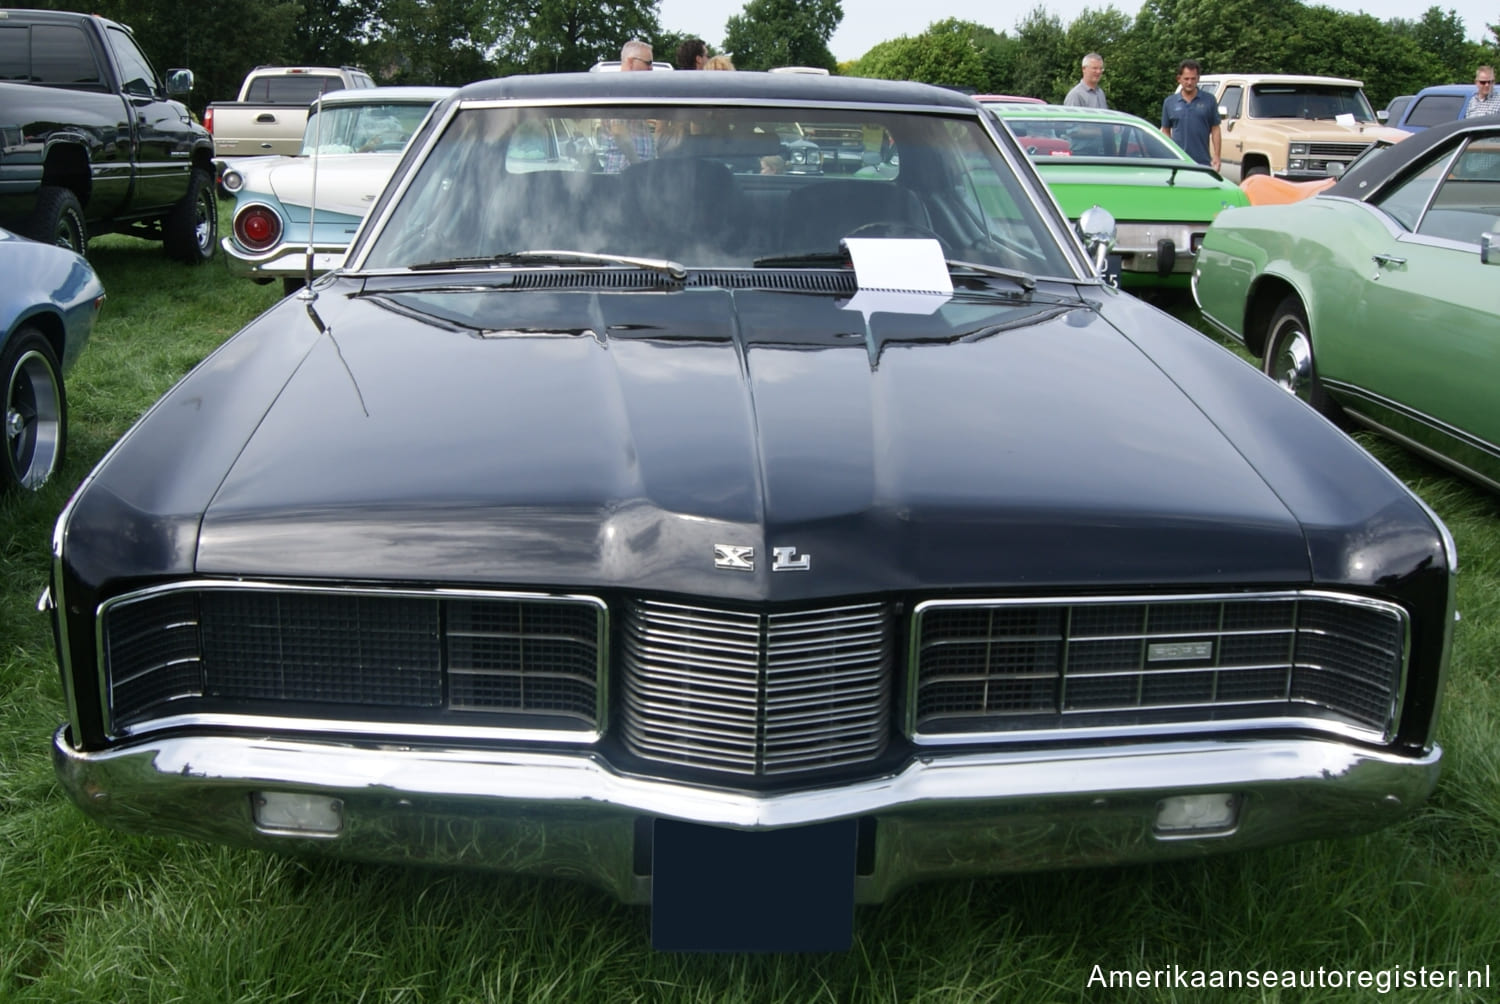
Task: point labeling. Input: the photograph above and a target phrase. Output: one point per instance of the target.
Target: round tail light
(257, 227)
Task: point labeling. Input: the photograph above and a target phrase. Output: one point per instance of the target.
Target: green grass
(92, 915)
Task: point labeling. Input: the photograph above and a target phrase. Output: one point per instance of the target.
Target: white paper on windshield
(1346, 119)
(898, 275)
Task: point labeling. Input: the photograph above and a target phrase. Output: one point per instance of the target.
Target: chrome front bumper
(282, 261)
(570, 814)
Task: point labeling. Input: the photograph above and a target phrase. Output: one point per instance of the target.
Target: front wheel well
(1264, 299)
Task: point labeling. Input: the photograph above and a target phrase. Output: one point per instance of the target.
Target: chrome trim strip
(338, 726)
(573, 815)
(1313, 723)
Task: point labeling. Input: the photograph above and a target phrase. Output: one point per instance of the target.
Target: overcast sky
(868, 22)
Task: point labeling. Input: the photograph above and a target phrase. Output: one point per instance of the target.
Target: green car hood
(1140, 193)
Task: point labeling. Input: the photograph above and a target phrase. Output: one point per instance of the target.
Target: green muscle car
(1378, 299)
(1162, 200)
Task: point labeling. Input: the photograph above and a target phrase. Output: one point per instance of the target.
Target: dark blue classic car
(746, 544)
(48, 304)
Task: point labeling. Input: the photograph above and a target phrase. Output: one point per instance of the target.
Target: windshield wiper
(813, 259)
(671, 269)
(801, 259)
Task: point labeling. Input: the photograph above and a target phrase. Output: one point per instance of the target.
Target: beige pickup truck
(1302, 128)
(271, 111)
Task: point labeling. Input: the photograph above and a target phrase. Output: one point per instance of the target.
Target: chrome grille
(1347, 151)
(358, 654)
(757, 694)
(1017, 666)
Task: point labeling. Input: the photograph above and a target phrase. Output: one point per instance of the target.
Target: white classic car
(350, 147)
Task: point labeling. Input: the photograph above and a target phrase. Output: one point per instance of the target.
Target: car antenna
(306, 292)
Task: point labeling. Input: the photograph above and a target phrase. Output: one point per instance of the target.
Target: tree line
(453, 42)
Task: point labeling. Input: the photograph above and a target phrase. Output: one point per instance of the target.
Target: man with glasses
(629, 141)
(1485, 101)
(1087, 93)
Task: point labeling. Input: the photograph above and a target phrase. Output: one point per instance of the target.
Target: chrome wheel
(1289, 357)
(33, 419)
(1289, 362)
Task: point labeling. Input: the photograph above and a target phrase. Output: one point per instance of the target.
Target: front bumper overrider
(572, 814)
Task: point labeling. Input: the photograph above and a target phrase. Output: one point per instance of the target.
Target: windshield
(711, 187)
(1309, 101)
(361, 128)
(1043, 138)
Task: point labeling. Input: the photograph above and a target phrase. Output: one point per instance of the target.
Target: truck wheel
(1254, 170)
(36, 411)
(58, 219)
(191, 229)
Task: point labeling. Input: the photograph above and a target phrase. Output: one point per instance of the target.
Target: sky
(869, 22)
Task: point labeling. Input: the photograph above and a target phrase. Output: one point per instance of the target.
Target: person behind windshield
(629, 141)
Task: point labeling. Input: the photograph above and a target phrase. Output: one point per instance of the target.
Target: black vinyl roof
(712, 85)
(1367, 177)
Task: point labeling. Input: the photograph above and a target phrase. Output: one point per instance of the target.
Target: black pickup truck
(91, 141)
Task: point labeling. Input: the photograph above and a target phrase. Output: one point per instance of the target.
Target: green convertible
(1160, 198)
(1378, 300)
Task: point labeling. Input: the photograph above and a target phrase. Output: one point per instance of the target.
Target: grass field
(91, 915)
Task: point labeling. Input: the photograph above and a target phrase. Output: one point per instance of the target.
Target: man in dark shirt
(1191, 118)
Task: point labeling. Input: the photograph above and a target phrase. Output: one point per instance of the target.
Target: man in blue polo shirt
(1191, 118)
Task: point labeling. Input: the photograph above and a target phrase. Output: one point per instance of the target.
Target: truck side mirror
(179, 82)
(1488, 253)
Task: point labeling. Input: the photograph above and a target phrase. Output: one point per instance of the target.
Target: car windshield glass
(711, 187)
(1043, 138)
(1309, 101)
(361, 128)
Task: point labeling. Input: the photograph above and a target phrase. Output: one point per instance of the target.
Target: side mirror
(179, 82)
(1489, 254)
(1097, 229)
(1383, 115)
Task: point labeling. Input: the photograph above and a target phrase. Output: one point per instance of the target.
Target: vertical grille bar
(757, 694)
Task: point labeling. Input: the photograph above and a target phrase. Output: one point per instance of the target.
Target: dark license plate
(721, 890)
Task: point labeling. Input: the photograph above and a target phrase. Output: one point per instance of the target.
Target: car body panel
(721, 512)
(1399, 319)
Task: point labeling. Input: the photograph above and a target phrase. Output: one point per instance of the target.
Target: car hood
(1325, 129)
(346, 183)
(596, 439)
(1139, 193)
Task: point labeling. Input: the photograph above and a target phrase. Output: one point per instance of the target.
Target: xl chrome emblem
(734, 557)
(786, 559)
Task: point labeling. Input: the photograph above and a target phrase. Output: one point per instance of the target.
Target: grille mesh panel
(757, 694)
(277, 651)
(989, 668)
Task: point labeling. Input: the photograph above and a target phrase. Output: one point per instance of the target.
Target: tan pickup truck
(271, 111)
(1302, 128)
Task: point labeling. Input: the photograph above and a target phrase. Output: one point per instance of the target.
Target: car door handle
(1387, 260)
(265, 117)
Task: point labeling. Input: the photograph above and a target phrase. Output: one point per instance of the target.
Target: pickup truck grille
(1345, 151)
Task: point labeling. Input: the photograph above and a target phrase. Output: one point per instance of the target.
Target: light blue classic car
(350, 147)
(48, 304)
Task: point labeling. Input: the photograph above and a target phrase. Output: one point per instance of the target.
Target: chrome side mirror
(1488, 253)
(1097, 229)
